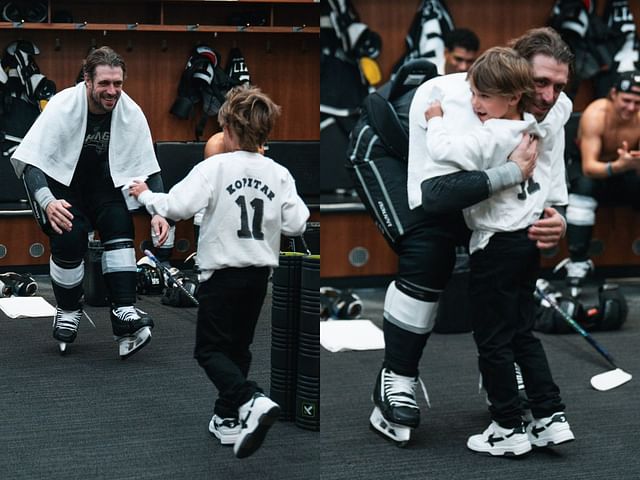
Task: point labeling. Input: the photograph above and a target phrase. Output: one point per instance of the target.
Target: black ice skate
(576, 274)
(131, 329)
(65, 326)
(395, 412)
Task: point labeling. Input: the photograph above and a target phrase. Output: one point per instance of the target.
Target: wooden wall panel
(616, 238)
(289, 72)
(22, 238)
(344, 232)
(24, 242)
(615, 241)
(495, 21)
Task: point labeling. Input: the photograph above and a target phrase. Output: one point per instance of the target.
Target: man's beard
(96, 101)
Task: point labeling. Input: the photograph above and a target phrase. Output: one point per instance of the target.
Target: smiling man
(74, 173)
(426, 254)
(609, 142)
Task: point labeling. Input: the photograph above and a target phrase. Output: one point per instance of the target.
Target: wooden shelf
(279, 40)
(112, 27)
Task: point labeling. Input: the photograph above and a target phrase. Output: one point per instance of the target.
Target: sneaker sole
(252, 441)
(564, 437)
(518, 450)
(223, 440)
(503, 453)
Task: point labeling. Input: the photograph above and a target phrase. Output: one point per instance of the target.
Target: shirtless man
(609, 142)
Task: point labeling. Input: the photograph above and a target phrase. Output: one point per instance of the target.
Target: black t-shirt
(92, 170)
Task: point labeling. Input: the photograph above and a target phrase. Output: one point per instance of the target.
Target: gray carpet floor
(90, 415)
(606, 424)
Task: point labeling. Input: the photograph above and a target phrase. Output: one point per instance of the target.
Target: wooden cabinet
(279, 40)
(352, 246)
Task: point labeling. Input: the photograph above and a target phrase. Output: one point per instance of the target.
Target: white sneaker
(550, 431)
(496, 440)
(256, 417)
(225, 429)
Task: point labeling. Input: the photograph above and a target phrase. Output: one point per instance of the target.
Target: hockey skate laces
(89, 318)
(400, 390)
(71, 319)
(127, 314)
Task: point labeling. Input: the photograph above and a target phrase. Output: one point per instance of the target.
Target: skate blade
(609, 380)
(129, 345)
(398, 434)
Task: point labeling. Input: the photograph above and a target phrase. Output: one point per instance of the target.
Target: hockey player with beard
(427, 253)
(91, 140)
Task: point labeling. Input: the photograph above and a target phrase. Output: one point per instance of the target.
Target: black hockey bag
(17, 285)
(548, 320)
(612, 309)
(339, 304)
(175, 297)
(149, 277)
(378, 151)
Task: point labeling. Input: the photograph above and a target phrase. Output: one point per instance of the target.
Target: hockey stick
(603, 381)
(171, 277)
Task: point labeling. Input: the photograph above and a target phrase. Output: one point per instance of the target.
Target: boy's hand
(525, 155)
(434, 110)
(160, 227)
(137, 187)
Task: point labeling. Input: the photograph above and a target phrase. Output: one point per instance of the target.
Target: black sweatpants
(502, 283)
(230, 304)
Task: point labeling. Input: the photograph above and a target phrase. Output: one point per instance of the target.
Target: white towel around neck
(54, 141)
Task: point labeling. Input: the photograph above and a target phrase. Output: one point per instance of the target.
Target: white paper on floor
(341, 335)
(16, 307)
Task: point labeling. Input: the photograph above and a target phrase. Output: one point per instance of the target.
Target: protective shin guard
(119, 270)
(581, 217)
(66, 280)
(407, 325)
(403, 349)
(581, 210)
(121, 287)
(578, 240)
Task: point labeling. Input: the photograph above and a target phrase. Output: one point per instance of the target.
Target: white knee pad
(408, 313)
(66, 277)
(581, 210)
(119, 256)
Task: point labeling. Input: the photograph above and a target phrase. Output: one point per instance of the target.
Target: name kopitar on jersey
(254, 183)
